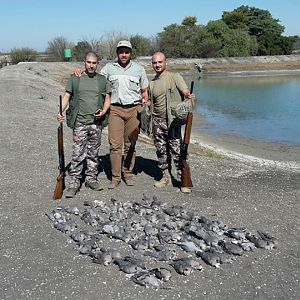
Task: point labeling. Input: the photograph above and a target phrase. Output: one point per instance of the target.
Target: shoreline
(238, 147)
(246, 148)
(250, 150)
(267, 154)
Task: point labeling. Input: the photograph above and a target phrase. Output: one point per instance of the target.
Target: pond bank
(230, 64)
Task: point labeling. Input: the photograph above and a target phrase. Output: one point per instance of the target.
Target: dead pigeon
(146, 279)
(130, 265)
(210, 257)
(162, 274)
(162, 253)
(231, 248)
(237, 233)
(185, 266)
(188, 246)
(271, 241)
(257, 241)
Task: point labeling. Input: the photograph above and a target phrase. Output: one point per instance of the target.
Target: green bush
(23, 54)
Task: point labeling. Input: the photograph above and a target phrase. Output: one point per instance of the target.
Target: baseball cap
(124, 43)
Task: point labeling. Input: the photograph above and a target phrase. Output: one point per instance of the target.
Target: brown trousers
(122, 122)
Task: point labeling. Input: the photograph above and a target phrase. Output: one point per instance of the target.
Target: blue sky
(32, 23)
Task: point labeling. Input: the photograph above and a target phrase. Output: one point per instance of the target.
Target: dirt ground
(39, 262)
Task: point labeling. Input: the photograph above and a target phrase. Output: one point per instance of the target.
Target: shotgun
(132, 138)
(60, 180)
(186, 180)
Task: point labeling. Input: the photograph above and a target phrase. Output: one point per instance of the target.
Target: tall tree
(256, 21)
(186, 40)
(231, 42)
(261, 26)
(140, 45)
(80, 49)
(273, 44)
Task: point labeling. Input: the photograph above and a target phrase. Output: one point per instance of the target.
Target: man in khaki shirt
(166, 132)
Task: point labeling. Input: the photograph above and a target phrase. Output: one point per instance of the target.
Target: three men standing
(127, 83)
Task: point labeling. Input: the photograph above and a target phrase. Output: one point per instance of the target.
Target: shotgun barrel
(186, 180)
(60, 180)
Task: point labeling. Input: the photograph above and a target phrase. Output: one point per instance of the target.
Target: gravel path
(39, 262)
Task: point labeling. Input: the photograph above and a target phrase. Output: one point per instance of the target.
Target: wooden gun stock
(186, 180)
(60, 180)
(60, 186)
(133, 138)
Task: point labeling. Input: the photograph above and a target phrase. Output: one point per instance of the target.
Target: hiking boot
(186, 190)
(129, 181)
(94, 185)
(71, 192)
(166, 180)
(113, 184)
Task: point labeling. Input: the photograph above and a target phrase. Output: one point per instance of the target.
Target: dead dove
(54, 215)
(257, 241)
(162, 274)
(141, 243)
(231, 248)
(237, 233)
(130, 265)
(185, 266)
(210, 257)
(189, 246)
(162, 253)
(102, 258)
(271, 241)
(146, 279)
(105, 256)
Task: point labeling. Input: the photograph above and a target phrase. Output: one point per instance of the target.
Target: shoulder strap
(172, 81)
(151, 84)
(75, 84)
(100, 79)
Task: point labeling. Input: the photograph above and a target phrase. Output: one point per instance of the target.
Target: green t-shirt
(160, 95)
(88, 96)
(87, 99)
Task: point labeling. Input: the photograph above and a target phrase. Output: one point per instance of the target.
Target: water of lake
(261, 107)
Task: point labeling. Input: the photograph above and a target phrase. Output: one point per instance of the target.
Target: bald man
(167, 90)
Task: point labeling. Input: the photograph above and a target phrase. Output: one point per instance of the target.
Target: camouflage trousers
(86, 144)
(167, 142)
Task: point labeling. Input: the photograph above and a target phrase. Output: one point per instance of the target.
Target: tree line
(245, 31)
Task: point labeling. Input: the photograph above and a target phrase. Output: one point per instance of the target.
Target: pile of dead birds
(181, 239)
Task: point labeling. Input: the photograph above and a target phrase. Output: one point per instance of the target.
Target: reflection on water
(260, 107)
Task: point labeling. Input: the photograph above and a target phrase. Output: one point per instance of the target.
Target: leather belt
(124, 105)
